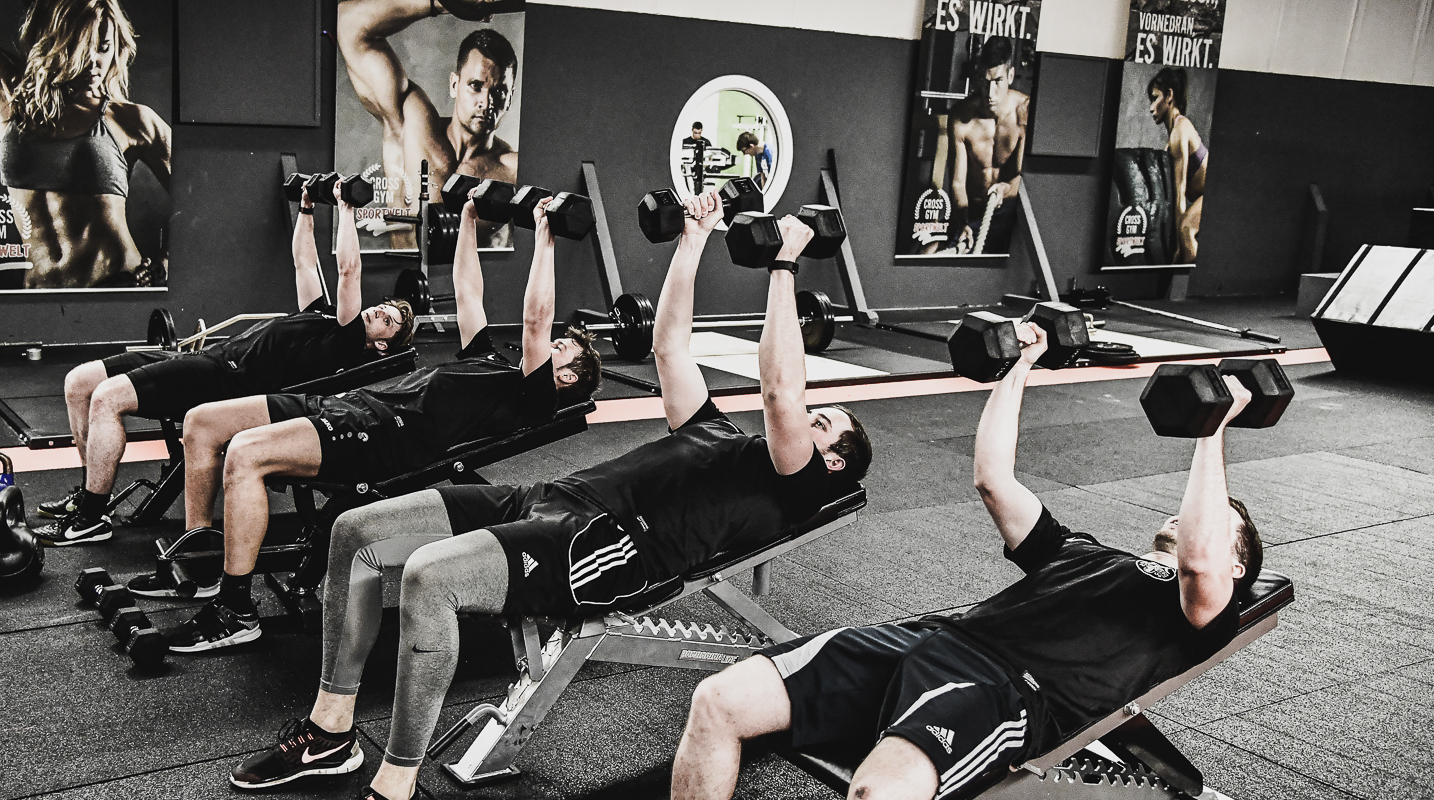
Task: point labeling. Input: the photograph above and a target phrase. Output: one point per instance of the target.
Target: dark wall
(607, 86)
(1369, 147)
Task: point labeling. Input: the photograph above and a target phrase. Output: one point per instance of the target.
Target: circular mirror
(734, 127)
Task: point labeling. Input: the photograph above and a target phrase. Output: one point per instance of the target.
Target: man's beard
(1165, 542)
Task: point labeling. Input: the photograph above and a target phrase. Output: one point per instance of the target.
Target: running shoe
(303, 749)
(154, 585)
(65, 506)
(213, 627)
(75, 528)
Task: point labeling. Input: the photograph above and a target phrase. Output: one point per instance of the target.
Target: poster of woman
(1162, 153)
(85, 148)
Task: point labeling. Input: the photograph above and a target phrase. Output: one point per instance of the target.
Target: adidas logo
(529, 564)
(943, 736)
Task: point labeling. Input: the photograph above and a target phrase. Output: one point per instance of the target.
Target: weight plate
(634, 316)
(412, 285)
(161, 330)
(818, 321)
(1110, 353)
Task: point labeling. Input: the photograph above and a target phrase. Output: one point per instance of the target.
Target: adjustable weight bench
(1148, 765)
(627, 635)
(166, 490)
(307, 558)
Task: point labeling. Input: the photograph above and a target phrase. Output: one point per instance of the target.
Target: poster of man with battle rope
(967, 137)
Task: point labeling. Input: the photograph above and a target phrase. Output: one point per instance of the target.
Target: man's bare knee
(712, 708)
(79, 385)
(244, 459)
(113, 397)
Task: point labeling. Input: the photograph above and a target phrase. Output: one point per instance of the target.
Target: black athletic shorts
(168, 384)
(925, 686)
(565, 554)
(354, 444)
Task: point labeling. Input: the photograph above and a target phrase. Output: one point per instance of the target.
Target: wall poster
(85, 144)
(967, 134)
(1162, 137)
(438, 81)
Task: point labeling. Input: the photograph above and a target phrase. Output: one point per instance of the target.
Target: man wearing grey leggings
(576, 545)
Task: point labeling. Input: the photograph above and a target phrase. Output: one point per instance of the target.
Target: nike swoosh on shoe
(308, 758)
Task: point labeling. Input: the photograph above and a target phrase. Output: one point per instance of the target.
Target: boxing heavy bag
(21, 556)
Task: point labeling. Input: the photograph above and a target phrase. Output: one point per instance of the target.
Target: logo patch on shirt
(1156, 570)
(943, 736)
(529, 564)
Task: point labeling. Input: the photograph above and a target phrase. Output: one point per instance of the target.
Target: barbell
(634, 317)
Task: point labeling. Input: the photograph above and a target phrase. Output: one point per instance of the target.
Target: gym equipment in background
(1378, 319)
(21, 556)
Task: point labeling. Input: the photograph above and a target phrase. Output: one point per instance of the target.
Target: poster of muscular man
(967, 139)
(434, 80)
(1162, 137)
(85, 99)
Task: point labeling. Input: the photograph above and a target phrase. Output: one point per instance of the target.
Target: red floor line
(636, 408)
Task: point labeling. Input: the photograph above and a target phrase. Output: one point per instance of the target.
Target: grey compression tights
(443, 575)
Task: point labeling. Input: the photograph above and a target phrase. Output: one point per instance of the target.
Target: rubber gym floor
(1334, 703)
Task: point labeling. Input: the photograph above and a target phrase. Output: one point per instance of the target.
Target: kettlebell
(21, 556)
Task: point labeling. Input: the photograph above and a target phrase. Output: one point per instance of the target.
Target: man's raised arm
(468, 279)
(374, 68)
(1203, 545)
(307, 283)
(782, 360)
(1013, 507)
(683, 389)
(350, 292)
(538, 298)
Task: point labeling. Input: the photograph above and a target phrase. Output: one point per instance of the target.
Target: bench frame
(630, 636)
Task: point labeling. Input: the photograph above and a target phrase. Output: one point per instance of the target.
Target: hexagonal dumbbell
(356, 191)
(1189, 401)
(753, 238)
(660, 215)
(987, 348)
(493, 202)
(111, 600)
(89, 584)
(147, 648)
(126, 621)
(984, 346)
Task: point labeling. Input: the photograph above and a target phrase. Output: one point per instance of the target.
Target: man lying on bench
(580, 543)
(385, 430)
(319, 340)
(942, 701)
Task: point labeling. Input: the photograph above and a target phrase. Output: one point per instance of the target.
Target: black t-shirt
(478, 395)
(1096, 627)
(284, 351)
(705, 488)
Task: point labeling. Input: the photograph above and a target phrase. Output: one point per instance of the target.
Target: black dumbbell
(1189, 400)
(89, 584)
(753, 238)
(984, 345)
(126, 621)
(147, 648)
(660, 214)
(356, 190)
(111, 599)
(570, 215)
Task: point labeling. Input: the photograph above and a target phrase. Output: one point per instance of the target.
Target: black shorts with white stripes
(925, 686)
(565, 554)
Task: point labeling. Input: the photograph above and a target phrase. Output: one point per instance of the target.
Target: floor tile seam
(1350, 530)
(833, 578)
(1317, 746)
(133, 775)
(1350, 682)
(1261, 756)
(49, 626)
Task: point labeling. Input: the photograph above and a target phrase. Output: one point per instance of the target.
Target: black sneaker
(213, 627)
(75, 528)
(303, 749)
(153, 585)
(65, 506)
